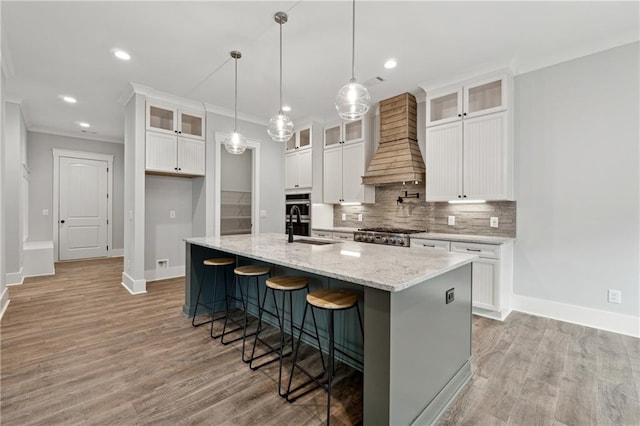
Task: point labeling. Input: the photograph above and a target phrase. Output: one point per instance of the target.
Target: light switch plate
(615, 296)
(451, 221)
(493, 222)
(263, 213)
(359, 217)
(45, 212)
(172, 214)
(344, 216)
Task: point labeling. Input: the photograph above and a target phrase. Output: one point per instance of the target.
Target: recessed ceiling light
(286, 108)
(121, 54)
(83, 124)
(391, 63)
(69, 99)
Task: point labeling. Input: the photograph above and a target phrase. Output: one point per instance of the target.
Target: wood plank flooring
(77, 348)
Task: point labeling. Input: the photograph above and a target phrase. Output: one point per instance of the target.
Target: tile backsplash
(418, 214)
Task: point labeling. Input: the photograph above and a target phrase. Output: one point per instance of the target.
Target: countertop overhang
(383, 267)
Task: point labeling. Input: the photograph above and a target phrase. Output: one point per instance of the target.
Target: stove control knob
(370, 238)
(384, 240)
(356, 237)
(401, 243)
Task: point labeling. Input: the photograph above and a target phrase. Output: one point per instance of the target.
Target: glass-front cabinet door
(333, 135)
(304, 140)
(161, 118)
(191, 125)
(353, 131)
(485, 96)
(291, 144)
(444, 106)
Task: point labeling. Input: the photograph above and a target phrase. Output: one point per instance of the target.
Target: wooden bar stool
(329, 300)
(214, 264)
(246, 271)
(285, 284)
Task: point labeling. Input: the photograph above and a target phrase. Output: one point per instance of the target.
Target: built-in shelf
(235, 212)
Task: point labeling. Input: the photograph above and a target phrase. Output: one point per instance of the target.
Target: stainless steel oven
(303, 201)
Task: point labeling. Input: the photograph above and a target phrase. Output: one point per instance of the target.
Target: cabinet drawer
(488, 251)
(426, 244)
(321, 234)
(346, 236)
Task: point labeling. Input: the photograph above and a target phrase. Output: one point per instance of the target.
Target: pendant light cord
(353, 43)
(235, 107)
(281, 67)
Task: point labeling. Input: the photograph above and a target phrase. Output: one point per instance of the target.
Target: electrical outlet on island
(493, 222)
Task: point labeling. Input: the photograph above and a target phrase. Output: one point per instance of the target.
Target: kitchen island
(417, 343)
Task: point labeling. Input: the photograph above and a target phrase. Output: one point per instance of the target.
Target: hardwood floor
(77, 348)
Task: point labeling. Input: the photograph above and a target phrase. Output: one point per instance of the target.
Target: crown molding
(215, 109)
(90, 137)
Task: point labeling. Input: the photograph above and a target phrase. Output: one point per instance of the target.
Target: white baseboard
(15, 278)
(163, 274)
(4, 302)
(133, 286)
(603, 320)
(116, 252)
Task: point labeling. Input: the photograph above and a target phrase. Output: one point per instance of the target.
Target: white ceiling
(182, 48)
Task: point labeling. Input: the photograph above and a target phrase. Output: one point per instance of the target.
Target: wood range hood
(398, 158)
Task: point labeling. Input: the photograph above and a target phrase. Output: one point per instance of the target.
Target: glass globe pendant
(235, 143)
(280, 126)
(353, 100)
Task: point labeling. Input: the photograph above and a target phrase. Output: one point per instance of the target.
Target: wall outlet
(344, 216)
(451, 221)
(263, 213)
(450, 296)
(615, 296)
(359, 217)
(493, 222)
(162, 264)
(45, 212)
(172, 214)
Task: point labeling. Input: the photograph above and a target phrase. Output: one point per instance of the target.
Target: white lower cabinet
(491, 273)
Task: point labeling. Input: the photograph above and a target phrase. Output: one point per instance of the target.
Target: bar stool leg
(224, 329)
(331, 366)
(195, 310)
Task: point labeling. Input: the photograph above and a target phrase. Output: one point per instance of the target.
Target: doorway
(82, 204)
(237, 189)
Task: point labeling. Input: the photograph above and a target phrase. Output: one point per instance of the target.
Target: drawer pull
(476, 250)
(428, 245)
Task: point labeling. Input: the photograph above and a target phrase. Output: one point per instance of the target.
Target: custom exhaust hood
(398, 158)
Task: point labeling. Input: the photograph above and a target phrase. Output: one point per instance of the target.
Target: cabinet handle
(180, 132)
(459, 115)
(428, 245)
(62, 221)
(464, 196)
(459, 196)
(476, 250)
(180, 168)
(464, 113)
(175, 131)
(175, 168)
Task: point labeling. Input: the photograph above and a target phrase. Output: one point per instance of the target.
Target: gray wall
(163, 235)
(14, 189)
(577, 181)
(40, 161)
(4, 298)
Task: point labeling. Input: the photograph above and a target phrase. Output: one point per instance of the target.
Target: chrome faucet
(297, 210)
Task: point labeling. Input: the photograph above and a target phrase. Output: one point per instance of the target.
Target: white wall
(15, 141)
(577, 182)
(40, 162)
(236, 173)
(4, 294)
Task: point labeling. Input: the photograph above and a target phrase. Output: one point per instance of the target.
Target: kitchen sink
(315, 242)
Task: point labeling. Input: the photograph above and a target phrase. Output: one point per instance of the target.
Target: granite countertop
(465, 238)
(383, 267)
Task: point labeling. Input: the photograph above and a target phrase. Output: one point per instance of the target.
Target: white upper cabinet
(175, 140)
(344, 166)
(301, 139)
(471, 98)
(298, 166)
(346, 132)
(170, 119)
(469, 142)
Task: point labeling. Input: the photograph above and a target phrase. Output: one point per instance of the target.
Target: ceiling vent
(398, 157)
(373, 82)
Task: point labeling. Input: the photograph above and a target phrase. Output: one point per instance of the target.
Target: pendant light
(235, 143)
(280, 126)
(353, 100)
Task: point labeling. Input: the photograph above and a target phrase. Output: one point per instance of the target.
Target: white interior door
(83, 208)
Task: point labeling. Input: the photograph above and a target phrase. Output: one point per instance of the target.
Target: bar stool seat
(252, 270)
(287, 283)
(208, 263)
(330, 300)
(248, 271)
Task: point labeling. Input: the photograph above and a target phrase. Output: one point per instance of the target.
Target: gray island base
(417, 347)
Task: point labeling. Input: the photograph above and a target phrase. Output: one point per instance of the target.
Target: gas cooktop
(389, 236)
